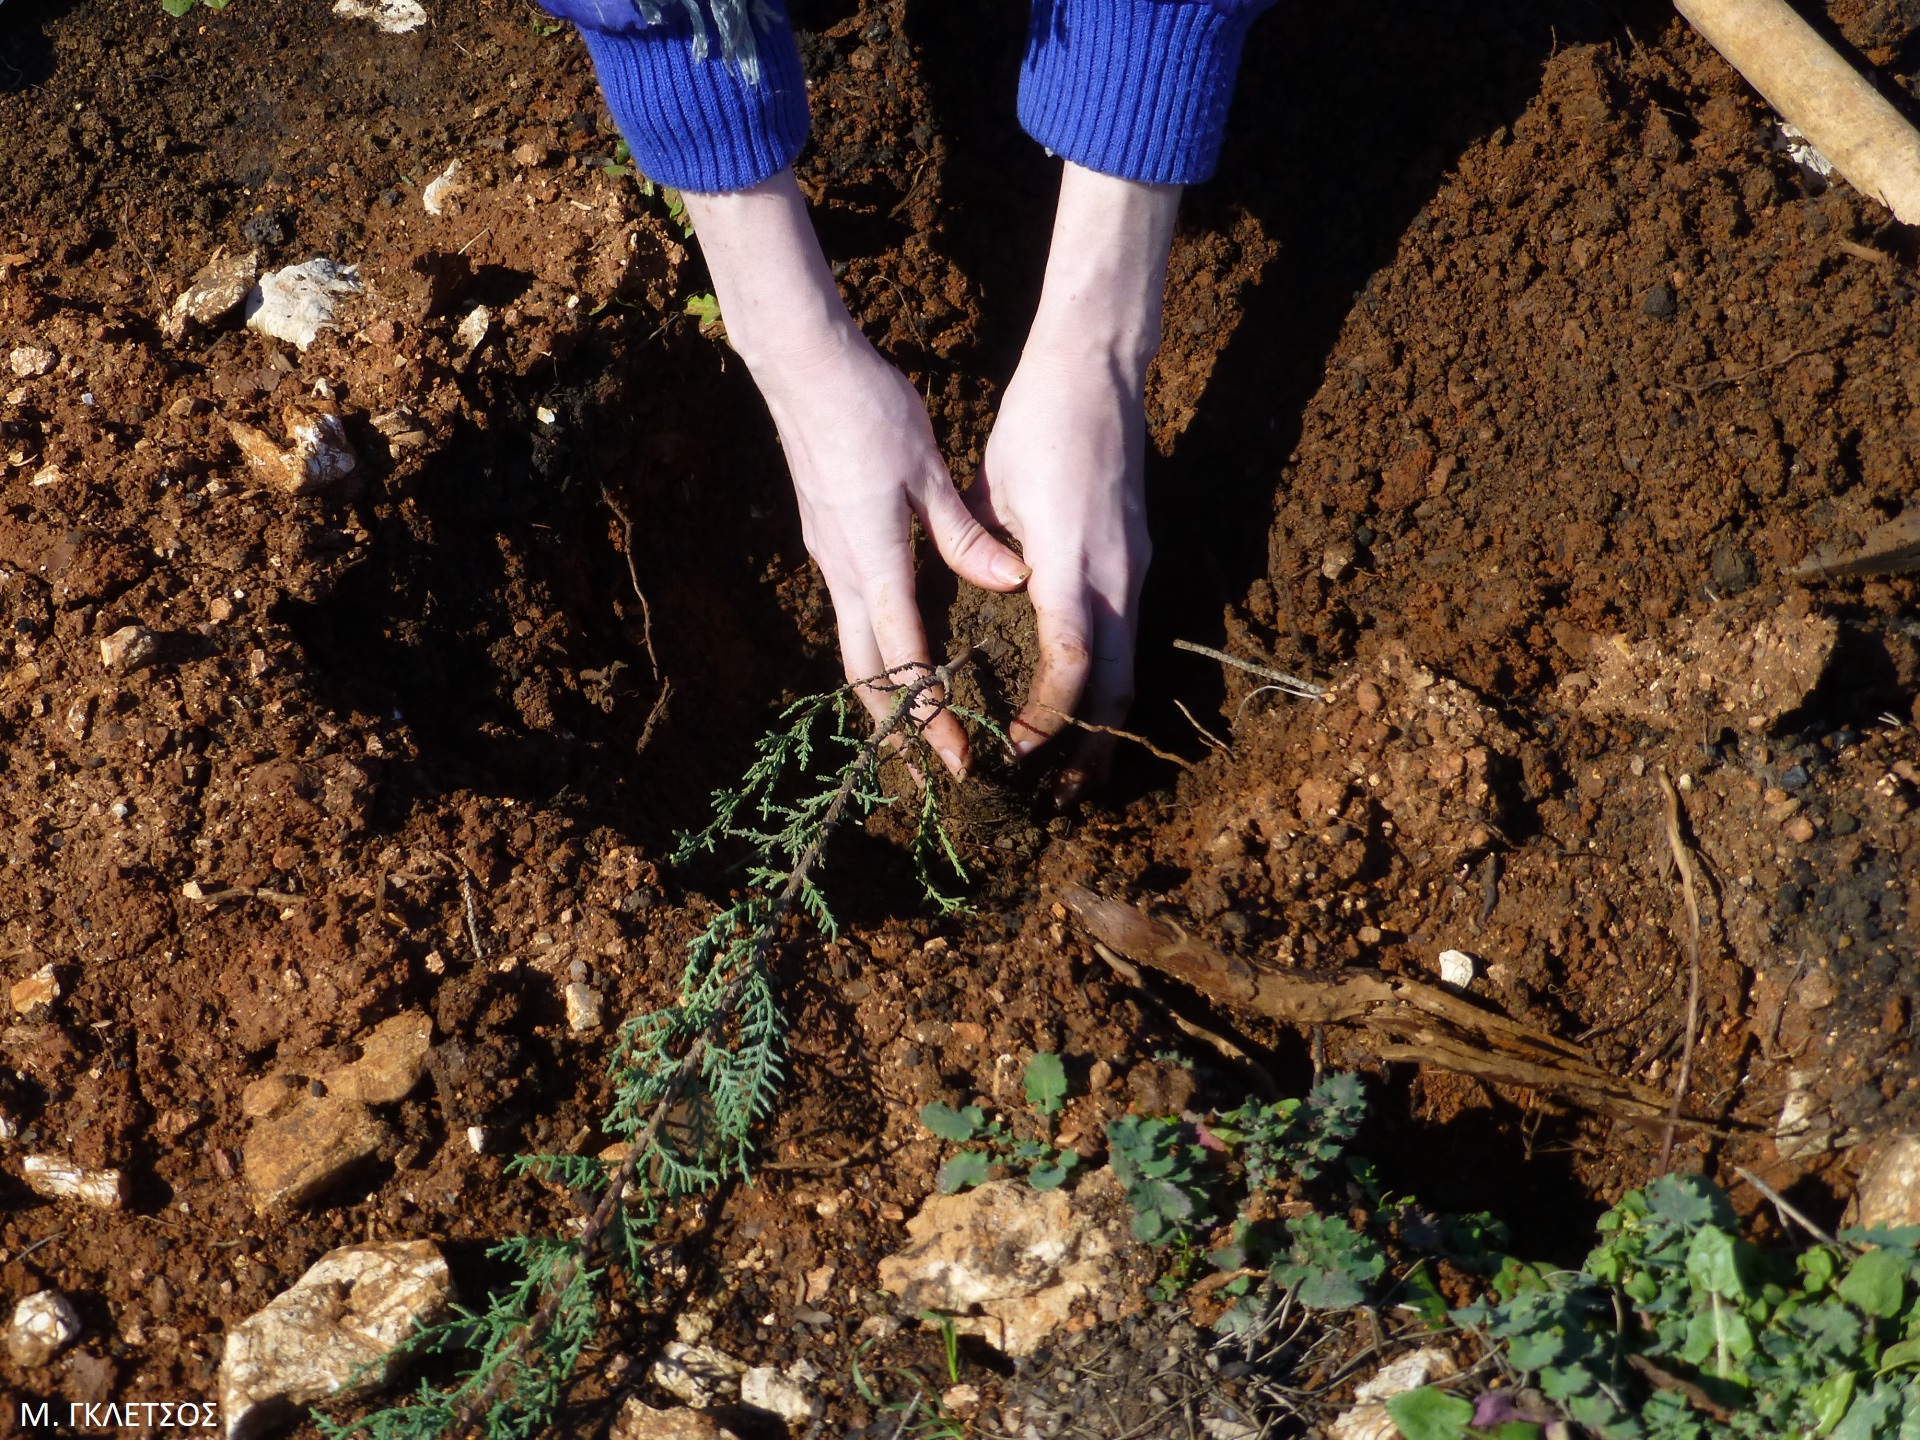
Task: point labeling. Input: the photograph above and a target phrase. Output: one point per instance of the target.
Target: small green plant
(1295, 1136)
(923, 1415)
(1048, 1167)
(713, 1060)
(180, 9)
(949, 1341)
(1163, 1166)
(1676, 1328)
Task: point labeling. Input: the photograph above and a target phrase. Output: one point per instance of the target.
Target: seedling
(1162, 1165)
(180, 9)
(1295, 1136)
(1048, 1167)
(716, 1053)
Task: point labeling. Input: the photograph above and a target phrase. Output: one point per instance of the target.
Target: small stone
(529, 154)
(43, 1325)
(441, 192)
(1660, 303)
(961, 1400)
(1799, 829)
(765, 1388)
(880, 1327)
(332, 1334)
(819, 1284)
(186, 407)
(59, 1179)
(220, 288)
(396, 17)
(698, 1375)
(1338, 559)
(585, 1010)
(1367, 696)
(477, 1139)
(640, 1421)
(27, 361)
(302, 1151)
(266, 1095)
(318, 459)
(473, 329)
(37, 992)
(127, 648)
(1457, 969)
(297, 303)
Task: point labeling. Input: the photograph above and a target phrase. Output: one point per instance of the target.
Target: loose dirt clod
(638, 1420)
(331, 1333)
(43, 1325)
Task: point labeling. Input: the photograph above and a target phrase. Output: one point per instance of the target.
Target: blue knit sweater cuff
(698, 124)
(1134, 88)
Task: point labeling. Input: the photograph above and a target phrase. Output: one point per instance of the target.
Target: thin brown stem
(1683, 863)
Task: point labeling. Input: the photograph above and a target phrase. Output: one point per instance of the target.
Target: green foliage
(1295, 1136)
(1808, 1345)
(1330, 1264)
(706, 310)
(1430, 1414)
(689, 1084)
(180, 9)
(1047, 1167)
(1163, 1167)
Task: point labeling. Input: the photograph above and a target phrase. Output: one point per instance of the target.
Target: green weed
(180, 9)
(1047, 1167)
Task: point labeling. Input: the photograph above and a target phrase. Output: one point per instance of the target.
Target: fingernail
(954, 760)
(1025, 747)
(1010, 570)
(1071, 783)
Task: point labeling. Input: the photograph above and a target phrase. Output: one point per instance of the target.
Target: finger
(1063, 617)
(1108, 698)
(979, 499)
(902, 642)
(964, 543)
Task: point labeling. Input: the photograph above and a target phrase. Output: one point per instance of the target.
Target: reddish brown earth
(1504, 343)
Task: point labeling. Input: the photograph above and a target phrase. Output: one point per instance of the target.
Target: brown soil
(1504, 334)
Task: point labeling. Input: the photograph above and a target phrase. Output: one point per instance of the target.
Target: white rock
(318, 457)
(26, 361)
(48, 475)
(1368, 1420)
(477, 1139)
(1014, 1263)
(473, 329)
(585, 1009)
(440, 192)
(765, 1388)
(697, 1375)
(297, 303)
(1409, 1372)
(333, 1333)
(1806, 1124)
(127, 648)
(43, 1325)
(59, 1179)
(396, 17)
(1457, 969)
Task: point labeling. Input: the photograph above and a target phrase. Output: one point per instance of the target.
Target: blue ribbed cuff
(1134, 88)
(697, 124)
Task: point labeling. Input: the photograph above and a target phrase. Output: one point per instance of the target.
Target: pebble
(27, 361)
(1338, 559)
(1799, 829)
(127, 648)
(318, 456)
(1457, 969)
(307, 1147)
(220, 288)
(396, 17)
(697, 1375)
(59, 1179)
(37, 992)
(765, 1388)
(473, 329)
(531, 155)
(585, 1009)
(331, 1334)
(295, 304)
(477, 1139)
(43, 1325)
(1889, 1192)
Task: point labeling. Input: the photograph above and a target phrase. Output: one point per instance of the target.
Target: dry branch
(1418, 1022)
(1819, 94)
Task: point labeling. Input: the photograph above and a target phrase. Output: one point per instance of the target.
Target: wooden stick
(1819, 94)
(1683, 862)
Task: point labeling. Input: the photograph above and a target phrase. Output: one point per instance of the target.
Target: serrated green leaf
(968, 1168)
(1899, 1357)
(1049, 1175)
(1713, 1264)
(1046, 1083)
(1430, 1414)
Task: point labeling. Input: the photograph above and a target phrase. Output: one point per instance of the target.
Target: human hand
(857, 441)
(1063, 470)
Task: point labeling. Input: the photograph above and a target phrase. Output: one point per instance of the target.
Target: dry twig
(1292, 684)
(1117, 734)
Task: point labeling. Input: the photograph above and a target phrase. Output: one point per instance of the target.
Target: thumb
(967, 546)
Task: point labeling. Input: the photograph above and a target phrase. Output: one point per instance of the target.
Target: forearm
(1106, 272)
(781, 305)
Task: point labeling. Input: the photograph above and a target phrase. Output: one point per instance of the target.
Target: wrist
(1106, 272)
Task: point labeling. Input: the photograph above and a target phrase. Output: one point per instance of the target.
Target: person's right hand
(856, 436)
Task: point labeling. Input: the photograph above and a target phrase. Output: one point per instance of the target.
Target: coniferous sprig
(690, 1080)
